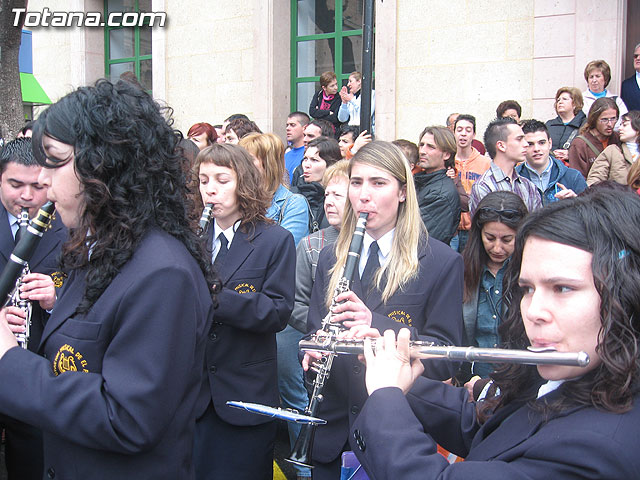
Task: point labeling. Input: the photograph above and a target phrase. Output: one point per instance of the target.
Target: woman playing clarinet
(255, 259)
(116, 389)
(404, 279)
(574, 282)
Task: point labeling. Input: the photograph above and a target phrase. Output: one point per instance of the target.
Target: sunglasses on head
(507, 214)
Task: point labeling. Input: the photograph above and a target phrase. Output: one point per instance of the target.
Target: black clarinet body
(23, 251)
(301, 452)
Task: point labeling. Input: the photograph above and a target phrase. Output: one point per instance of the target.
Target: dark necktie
(222, 252)
(373, 263)
(19, 232)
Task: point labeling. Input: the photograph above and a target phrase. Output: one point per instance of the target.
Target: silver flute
(426, 350)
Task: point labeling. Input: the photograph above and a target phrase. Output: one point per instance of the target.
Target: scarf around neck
(326, 101)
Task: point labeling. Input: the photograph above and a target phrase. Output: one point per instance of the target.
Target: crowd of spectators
(471, 194)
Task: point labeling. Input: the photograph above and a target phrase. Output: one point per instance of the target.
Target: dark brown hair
(253, 199)
(605, 223)
(326, 78)
(242, 127)
(489, 210)
(634, 117)
(598, 107)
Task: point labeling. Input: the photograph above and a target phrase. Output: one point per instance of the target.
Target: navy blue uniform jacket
(116, 393)
(44, 260)
(430, 306)
(258, 285)
(515, 443)
(630, 93)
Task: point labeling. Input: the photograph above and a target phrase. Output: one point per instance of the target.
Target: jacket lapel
(626, 153)
(66, 303)
(373, 298)
(240, 249)
(6, 237)
(516, 423)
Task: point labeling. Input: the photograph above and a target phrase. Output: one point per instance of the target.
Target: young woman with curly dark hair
(256, 262)
(574, 285)
(116, 394)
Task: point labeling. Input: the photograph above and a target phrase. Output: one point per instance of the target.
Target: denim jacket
(291, 212)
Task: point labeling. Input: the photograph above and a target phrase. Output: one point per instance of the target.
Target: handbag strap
(567, 144)
(589, 144)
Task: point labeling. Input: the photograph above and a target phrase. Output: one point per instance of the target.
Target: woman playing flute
(574, 283)
(406, 279)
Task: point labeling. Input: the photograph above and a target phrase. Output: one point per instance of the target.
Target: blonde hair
(269, 149)
(410, 232)
(338, 169)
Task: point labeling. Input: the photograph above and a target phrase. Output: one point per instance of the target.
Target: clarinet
(23, 223)
(18, 265)
(205, 219)
(301, 453)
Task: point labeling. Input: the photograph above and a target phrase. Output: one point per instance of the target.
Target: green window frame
(337, 36)
(136, 59)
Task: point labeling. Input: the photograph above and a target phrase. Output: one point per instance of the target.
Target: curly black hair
(131, 170)
(605, 223)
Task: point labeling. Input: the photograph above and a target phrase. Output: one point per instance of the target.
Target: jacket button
(359, 440)
(213, 336)
(355, 409)
(357, 369)
(213, 369)
(51, 473)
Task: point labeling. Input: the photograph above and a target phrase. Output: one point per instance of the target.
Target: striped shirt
(494, 180)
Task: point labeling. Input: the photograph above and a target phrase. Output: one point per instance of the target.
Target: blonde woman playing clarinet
(406, 279)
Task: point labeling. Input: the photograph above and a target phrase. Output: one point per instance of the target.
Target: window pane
(117, 69)
(315, 57)
(145, 41)
(305, 93)
(352, 54)
(121, 6)
(316, 16)
(121, 43)
(146, 77)
(352, 11)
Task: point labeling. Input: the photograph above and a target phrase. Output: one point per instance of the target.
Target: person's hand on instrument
(391, 365)
(351, 311)
(311, 357)
(12, 319)
(39, 287)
